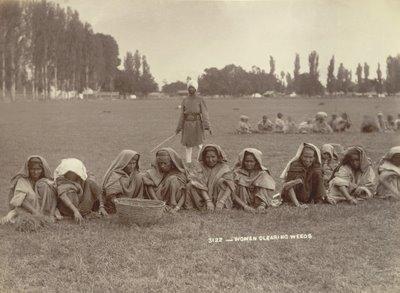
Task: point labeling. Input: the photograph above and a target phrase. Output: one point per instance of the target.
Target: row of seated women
(311, 176)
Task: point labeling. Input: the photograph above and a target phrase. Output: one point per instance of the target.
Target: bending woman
(212, 184)
(77, 192)
(166, 180)
(32, 191)
(122, 179)
(253, 182)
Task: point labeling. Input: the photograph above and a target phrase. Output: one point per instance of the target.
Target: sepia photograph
(200, 146)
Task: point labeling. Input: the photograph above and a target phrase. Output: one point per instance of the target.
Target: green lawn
(351, 248)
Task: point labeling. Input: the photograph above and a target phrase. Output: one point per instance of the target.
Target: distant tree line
(234, 80)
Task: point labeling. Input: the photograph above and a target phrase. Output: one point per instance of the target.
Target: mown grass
(351, 249)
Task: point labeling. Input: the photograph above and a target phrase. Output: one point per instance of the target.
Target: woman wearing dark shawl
(166, 180)
(212, 184)
(253, 182)
(303, 177)
(32, 191)
(122, 179)
(353, 179)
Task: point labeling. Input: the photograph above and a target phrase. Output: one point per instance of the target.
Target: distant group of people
(314, 175)
(380, 123)
(320, 124)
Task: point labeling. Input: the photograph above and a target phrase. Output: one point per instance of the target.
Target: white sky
(182, 38)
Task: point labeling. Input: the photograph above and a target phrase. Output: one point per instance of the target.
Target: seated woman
(341, 123)
(32, 191)
(253, 182)
(306, 126)
(397, 123)
(320, 124)
(166, 180)
(244, 125)
(329, 162)
(369, 124)
(389, 174)
(78, 194)
(290, 126)
(303, 177)
(279, 123)
(390, 123)
(353, 178)
(265, 125)
(382, 122)
(211, 186)
(122, 179)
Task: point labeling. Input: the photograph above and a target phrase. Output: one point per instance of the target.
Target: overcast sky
(181, 38)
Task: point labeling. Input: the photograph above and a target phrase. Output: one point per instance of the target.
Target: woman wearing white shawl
(303, 177)
(122, 179)
(389, 174)
(353, 179)
(193, 120)
(78, 193)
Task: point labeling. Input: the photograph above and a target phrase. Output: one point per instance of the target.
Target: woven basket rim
(139, 202)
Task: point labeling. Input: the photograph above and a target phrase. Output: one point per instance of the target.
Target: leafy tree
(271, 65)
(331, 81)
(379, 82)
(173, 88)
(147, 83)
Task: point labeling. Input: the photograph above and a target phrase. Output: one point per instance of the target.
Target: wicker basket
(139, 211)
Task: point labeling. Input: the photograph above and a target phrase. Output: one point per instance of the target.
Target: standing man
(193, 120)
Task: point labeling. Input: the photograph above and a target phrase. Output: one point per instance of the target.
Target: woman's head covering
(24, 172)
(155, 173)
(389, 155)
(176, 159)
(365, 162)
(322, 115)
(71, 165)
(386, 164)
(119, 163)
(298, 155)
(328, 148)
(221, 154)
(192, 83)
(244, 118)
(257, 155)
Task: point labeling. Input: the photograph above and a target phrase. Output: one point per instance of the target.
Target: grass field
(351, 249)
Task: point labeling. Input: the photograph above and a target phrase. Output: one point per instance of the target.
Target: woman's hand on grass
(210, 206)
(302, 206)
(249, 209)
(103, 212)
(78, 217)
(352, 200)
